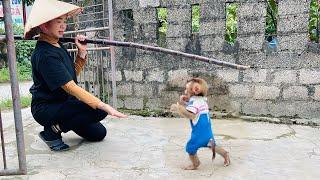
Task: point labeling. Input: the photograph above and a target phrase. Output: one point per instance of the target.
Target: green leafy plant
(162, 18)
(4, 75)
(25, 101)
(195, 18)
(29, 2)
(231, 23)
(271, 19)
(314, 21)
(23, 69)
(163, 26)
(24, 50)
(17, 30)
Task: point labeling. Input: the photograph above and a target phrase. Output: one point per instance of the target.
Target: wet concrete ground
(153, 148)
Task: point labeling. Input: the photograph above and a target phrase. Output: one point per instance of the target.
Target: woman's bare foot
(226, 159)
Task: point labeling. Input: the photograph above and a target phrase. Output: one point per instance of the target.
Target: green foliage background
(195, 18)
(25, 101)
(23, 54)
(314, 21)
(231, 23)
(271, 19)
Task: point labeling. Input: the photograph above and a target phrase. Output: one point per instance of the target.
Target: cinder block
(133, 75)
(256, 59)
(285, 76)
(288, 7)
(178, 78)
(145, 15)
(213, 9)
(288, 109)
(118, 76)
(169, 97)
(211, 43)
(251, 43)
(295, 93)
(255, 108)
(256, 9)
(179, 15)
(133, 103)
(149, 3)
(293, 42)
(143, 90)
(155, 75)
(293, 23)
(308, 76)
(212, 28)
(124, 5)
(240, 90)
(146, 61)
(220, 103)
(236, 106)
(179, 30)
(302, 109)
(266, 92)
(172, 3)
(145, 33)
(124, 89)
(153, 104)
(251, 26)
(178, 44)
(228, 75)
(256, 76)
(316, 95)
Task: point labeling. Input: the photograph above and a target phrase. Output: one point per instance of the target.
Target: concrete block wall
(282, 83)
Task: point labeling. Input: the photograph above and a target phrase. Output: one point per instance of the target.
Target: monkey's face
(189, 89)
(192, 89)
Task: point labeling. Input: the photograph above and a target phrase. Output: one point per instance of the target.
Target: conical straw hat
(45, 10)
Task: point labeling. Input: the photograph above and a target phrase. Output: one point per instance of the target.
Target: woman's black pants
(82, 119)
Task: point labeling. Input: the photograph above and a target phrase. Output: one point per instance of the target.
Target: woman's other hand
(82, 48)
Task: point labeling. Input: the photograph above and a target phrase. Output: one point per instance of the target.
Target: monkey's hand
(174, 108)
(183, 99)
(182, 111)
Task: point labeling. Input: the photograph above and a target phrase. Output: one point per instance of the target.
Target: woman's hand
(110, 110)
(82, 48)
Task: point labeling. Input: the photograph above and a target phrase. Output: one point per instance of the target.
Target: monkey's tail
(213, 148)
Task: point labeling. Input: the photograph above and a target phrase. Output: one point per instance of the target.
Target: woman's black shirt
(52, 67)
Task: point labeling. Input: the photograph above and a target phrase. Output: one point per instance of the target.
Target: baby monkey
(193, 105)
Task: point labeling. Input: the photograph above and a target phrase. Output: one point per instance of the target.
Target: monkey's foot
(190, 167)
(226, 159)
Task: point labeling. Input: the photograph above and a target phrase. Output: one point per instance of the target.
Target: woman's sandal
(55, 145)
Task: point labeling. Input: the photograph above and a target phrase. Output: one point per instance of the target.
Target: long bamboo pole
(155, 49)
